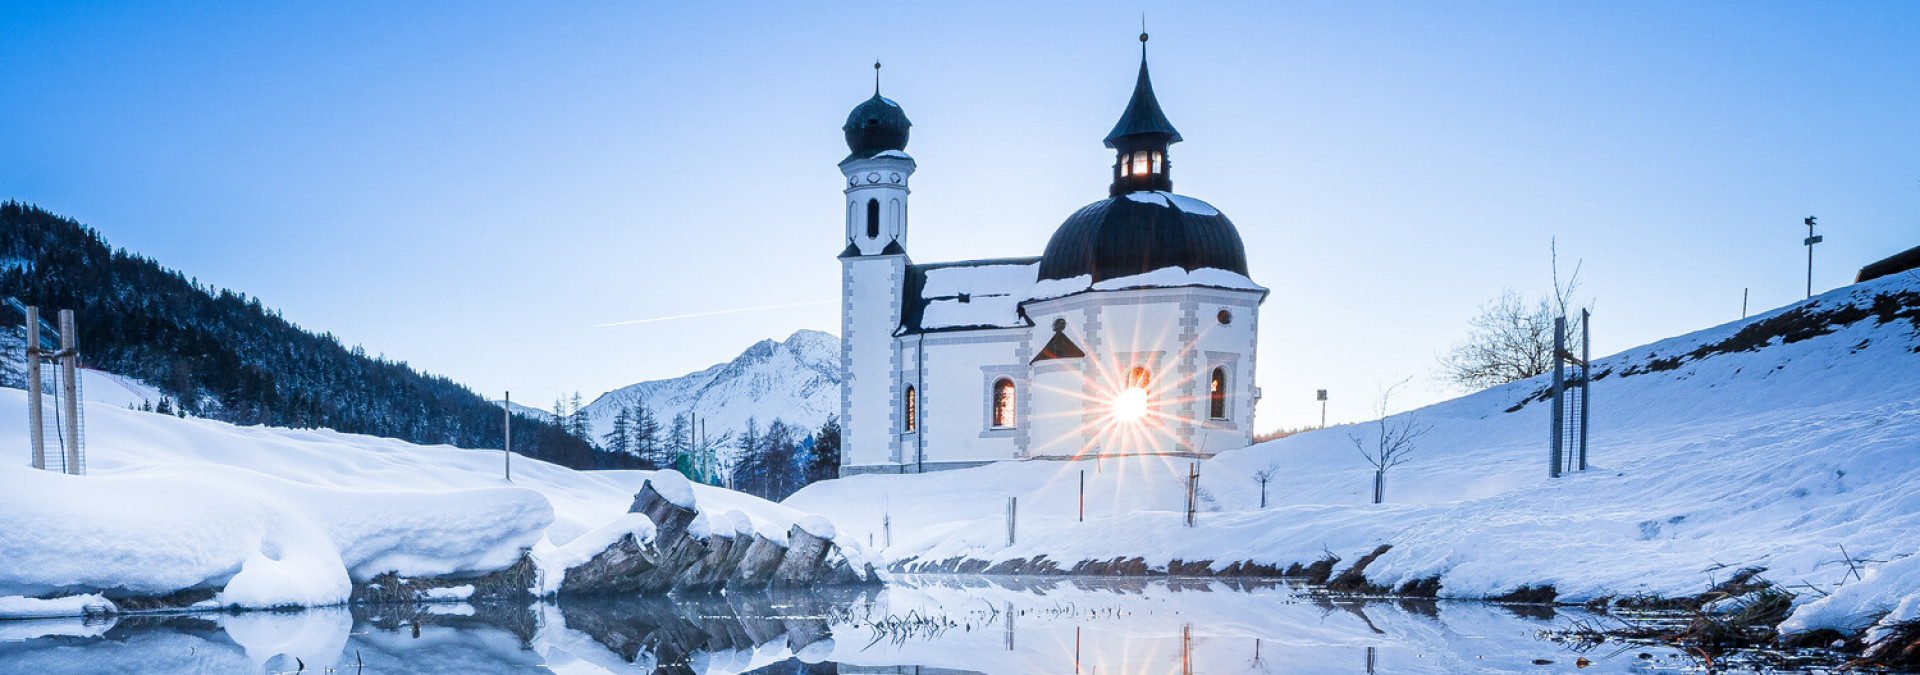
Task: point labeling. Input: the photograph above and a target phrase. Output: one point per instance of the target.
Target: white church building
(1134, 333)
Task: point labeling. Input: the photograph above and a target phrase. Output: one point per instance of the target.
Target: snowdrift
(275, 517)
(1769, 442)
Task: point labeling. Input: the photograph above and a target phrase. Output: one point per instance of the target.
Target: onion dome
(877, 125)
(1140, 232)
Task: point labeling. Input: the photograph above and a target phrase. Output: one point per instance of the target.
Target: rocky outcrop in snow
(683, 550)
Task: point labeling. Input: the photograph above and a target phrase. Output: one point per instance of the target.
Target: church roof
(1143, 115)
(966, 295)
(1140, 232)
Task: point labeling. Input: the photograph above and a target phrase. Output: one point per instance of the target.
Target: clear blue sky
(473, 187)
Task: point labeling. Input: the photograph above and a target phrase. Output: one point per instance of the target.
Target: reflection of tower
(873, 271)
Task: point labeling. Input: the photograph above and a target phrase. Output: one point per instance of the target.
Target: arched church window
(1137, 378)
(1003, 402)
(910, 422)
(1217, 394)
(873, 219)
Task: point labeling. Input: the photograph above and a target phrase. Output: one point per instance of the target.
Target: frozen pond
(931, 624)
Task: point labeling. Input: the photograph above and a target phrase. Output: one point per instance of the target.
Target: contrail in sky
(741, 310)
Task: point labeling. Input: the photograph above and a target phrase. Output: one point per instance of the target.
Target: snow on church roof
(967, 294)
(1165, 277)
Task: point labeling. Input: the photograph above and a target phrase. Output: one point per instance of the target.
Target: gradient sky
(474, 187)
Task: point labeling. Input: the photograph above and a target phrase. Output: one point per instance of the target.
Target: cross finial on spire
(876, 77)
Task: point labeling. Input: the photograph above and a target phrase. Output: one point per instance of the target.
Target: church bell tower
(873, 269)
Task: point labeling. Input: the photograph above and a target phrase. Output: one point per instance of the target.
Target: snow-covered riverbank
(1771, 442)
(277, 517)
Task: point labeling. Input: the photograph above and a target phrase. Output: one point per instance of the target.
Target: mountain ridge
(796, 380)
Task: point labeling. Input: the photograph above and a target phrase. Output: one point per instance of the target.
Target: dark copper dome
(1140, 232)
(875, 126)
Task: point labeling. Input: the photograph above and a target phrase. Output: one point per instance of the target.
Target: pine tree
(646, 435)
(620, 439)
(826, 452)
(777, 456)
(680, 444)
(577, 421)
(746, 472)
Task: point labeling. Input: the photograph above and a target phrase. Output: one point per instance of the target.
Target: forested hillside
(222, 355)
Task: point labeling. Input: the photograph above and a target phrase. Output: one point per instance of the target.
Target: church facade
(1133, 333)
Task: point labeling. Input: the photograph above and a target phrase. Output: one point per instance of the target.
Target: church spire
(1141, 137)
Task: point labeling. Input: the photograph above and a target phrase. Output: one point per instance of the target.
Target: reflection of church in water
(1134, 332)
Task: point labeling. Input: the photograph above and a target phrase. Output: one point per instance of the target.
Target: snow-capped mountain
(527, 411)
(796, 381)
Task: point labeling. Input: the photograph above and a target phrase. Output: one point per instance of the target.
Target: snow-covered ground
(1775, 456)
(279, 517)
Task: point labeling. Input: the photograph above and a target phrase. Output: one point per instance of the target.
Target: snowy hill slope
(1772, 441)
(275, 516)
(797, 381)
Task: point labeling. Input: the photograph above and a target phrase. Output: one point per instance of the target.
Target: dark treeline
(773, 462)
(222, 355)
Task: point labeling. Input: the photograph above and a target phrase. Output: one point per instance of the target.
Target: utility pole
(70, 389)
(1811, 240)
(506, 451)
(1743, 302)
(36, 419)
(1322, 398)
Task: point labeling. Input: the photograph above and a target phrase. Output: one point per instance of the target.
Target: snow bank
(674, 488)
(1771, 442)
(16, 607)
(817, 526)
(1889, 593)
(278, 517)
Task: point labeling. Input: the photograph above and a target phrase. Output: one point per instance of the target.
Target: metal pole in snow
(1743, 302)
(506, 450)
(1193, 483)
(1811, 240)
(36, 416)
(70, 389)
(1586, 377)
(1559, 392)
(1013, 507)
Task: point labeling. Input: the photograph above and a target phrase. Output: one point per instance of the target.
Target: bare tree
(1263, 477)
(1511, 339)
(1391, 442)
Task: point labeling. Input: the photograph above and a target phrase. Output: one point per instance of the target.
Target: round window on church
(1059, 325)
(1225, 317)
